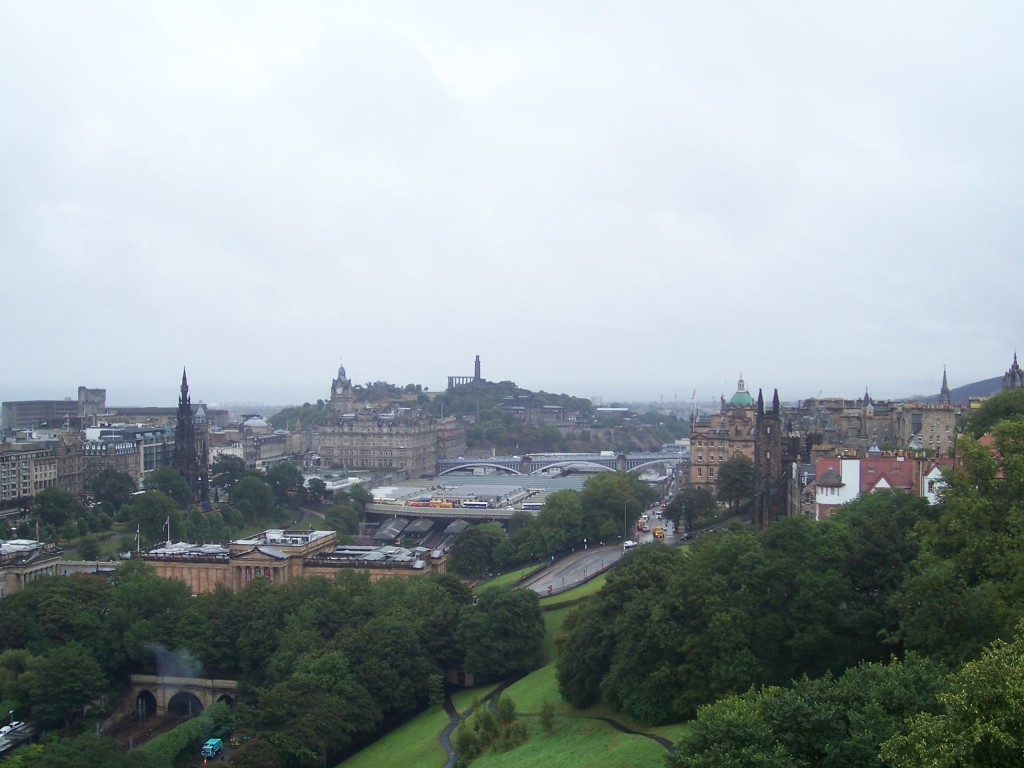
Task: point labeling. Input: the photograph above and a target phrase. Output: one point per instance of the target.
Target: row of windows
(711, 472)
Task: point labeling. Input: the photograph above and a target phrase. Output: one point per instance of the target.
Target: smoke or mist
(178, 663)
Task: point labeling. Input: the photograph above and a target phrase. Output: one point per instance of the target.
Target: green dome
(742, 398)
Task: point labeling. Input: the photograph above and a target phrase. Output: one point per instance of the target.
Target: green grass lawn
(578, 741)
(583, 590)
(414, 745)
(463, 700)
(512, 578)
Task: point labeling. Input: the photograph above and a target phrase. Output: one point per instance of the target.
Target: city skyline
(631, 203)
(118, 395)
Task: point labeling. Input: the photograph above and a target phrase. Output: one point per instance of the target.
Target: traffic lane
(576, 569)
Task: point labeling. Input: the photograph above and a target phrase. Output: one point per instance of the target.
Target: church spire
(1014, 378)
(944, 397)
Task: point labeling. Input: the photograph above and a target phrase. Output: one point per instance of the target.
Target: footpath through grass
(579, 740)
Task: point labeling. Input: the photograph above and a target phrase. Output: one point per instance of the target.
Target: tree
(735, 480)
(472, 552)
(981, 720)
(141, 622)
(304, 724)
(253, 498)
(62, 681)
(971, 552)
(1005, 405)
(256, 753)
(227, 470)
(547, 716)
(286, 483)
(602, 500)
(391, 662)
(317, 488)
(557, 527)
(502, 634)
(171, 483)
(56, 507)
(344, 518)
(150, 512)
(360, 495)
(820, 721)
(89, 548)
(113, 488)
(84, 751)
(691, 505)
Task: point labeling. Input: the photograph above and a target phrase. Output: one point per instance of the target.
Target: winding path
(454, 718)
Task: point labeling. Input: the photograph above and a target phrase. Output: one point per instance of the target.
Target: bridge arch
(470, 465)
(227, 699)
(573, 463)
(653, 463)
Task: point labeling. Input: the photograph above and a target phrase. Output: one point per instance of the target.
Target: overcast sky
(624, 200)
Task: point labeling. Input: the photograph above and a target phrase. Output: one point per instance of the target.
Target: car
(11, 727)
(628, 544)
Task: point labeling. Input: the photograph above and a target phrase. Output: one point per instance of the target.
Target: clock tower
(341, 399)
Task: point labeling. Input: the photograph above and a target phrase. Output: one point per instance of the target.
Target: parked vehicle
(212, 748)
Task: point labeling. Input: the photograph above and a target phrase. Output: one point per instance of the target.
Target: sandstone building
(390, 437)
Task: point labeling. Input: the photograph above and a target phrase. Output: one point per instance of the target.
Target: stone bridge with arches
(165, 695)
(540, 463)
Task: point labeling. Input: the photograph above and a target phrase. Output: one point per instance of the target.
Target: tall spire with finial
(944, 396)
(189, 453)
(1014, 378)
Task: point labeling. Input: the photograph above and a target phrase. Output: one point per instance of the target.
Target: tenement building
(393, 437)
(25, 470)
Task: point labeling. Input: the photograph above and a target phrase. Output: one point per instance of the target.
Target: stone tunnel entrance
(145, 704)
(184, 703)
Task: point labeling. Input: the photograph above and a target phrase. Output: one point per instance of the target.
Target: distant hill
(985, 388)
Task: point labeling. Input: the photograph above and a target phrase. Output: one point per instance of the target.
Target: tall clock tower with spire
(342, 399)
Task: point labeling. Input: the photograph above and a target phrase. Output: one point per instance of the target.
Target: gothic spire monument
(190, 454)
(944, 396)
(1014, 378)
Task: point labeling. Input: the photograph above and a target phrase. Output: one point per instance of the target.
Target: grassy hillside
(580, 738)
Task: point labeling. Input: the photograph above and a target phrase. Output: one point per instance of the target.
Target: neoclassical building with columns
(280, 556)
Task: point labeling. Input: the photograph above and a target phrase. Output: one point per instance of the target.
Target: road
(585, 563)
(576, 568)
